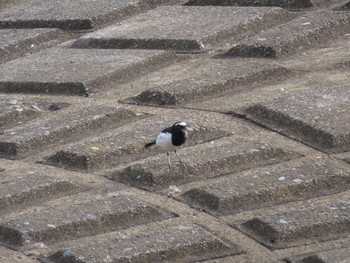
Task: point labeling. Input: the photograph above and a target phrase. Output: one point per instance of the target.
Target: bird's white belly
(164, 141)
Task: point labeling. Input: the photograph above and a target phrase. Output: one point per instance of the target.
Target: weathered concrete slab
(305, 31)
(24, 189)
(9, 255)
(280, 3)
(181, 243)
(255, 189)
(6, 3)
(319, 117)
(202, 161)
(326, 3)
(12, 113)
(318, 67)
(80, 217)
(344, 6)
(76, 71)
(306, 225)
(347, 160)
(70, 15)
(16, 112)
(125, 146)
(340, 255)
(16, 42)
(180, 27)
(290, 4)
(347, 6)
(60, 128)
(264, 181)
(195, 79)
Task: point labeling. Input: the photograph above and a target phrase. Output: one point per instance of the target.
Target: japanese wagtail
(171, 138)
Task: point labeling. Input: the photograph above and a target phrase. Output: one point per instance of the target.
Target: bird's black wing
(167, 130)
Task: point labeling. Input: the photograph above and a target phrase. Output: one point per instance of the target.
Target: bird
(171, 138)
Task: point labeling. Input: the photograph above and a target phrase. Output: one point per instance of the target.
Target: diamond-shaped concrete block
(280, 3)
(305, 225)
(296, 35)
(197, 79)
(75, 71)
(15, 112)
(180, 27)
(201, 162)
(181, 243)
(340, 255)
(255, 189)
(24, 189)
(60, 128)
(71, 15)
(15, 42)
(318, 117)
(83, 216)
(122, 147)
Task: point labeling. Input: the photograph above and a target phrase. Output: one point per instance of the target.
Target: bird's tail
(150, 144)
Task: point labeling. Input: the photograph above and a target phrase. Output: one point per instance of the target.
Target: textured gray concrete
(194, 79)
(179, 27)
(74, 71)
(265, 168)
(172, 243)
(278, 185)
(18, 143)
(121, 147)
(293, 36)
(320, 118)
(321, 223)
(66, 14)
(86, 216)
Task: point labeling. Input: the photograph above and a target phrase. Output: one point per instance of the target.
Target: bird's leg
(178, 157)
(167, 154)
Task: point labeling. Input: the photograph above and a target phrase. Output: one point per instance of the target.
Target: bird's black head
(179, 133)
(180, 125)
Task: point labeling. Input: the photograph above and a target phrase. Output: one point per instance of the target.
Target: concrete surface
(84, 85)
